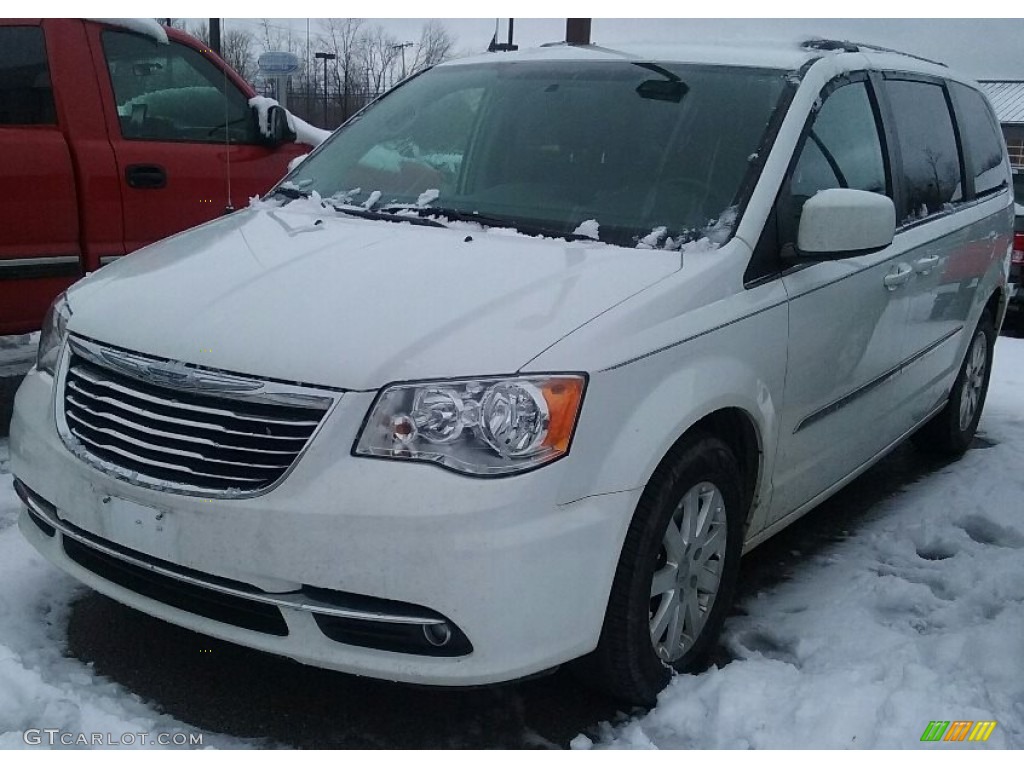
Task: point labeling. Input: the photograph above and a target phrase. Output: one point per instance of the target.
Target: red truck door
(39, 237)
(179, 122)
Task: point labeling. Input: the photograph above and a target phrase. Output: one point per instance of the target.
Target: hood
(322, 298)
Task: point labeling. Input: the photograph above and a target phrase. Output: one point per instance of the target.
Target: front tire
(676, 574)
(951, 431)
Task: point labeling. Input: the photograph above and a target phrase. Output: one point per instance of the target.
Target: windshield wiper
(453, 214)
(381, 215)
(292, 193)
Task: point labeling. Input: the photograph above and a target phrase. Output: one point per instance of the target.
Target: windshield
(612, 150)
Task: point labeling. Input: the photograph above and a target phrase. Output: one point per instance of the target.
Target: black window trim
(959, 110)
(966, 182)
(770, 228)
(256, 142)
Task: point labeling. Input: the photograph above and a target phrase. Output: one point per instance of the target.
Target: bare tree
(380, 58)
(434, 46)
(237, 47)
(343, 38)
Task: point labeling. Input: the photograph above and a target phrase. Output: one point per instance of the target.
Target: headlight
(488, 426)
(52, 335)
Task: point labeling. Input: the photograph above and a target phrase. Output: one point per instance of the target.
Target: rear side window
(170, 92)
(26, 96)
(983, 141)
(931, 160)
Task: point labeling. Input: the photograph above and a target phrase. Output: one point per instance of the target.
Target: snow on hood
(148, 27)
(305, 294)
(304, 132)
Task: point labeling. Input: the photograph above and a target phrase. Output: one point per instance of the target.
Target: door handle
(926, 264)
(897, 276)
(146, 176)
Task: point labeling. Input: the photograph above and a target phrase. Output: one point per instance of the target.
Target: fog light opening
(437, 634)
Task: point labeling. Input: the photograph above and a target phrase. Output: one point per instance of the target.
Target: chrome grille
(166, 432)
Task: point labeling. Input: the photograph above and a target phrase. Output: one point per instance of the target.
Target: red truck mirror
(278, 131)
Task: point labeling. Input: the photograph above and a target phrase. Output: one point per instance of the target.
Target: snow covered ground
(41, 688)
(918, 616)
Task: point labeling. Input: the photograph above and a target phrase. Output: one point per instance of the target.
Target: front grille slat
(152, 464)
(138, 414)
(163, 434)
(182, 438)
(141, 394)
(165, 449)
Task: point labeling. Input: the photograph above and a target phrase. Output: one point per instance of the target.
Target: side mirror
(838, 223)
(276, 131)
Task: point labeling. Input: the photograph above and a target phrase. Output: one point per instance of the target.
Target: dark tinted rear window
(931, 160)
(26, 97)
(983, 140)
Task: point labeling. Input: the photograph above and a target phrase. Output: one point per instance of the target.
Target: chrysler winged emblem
(176, 375)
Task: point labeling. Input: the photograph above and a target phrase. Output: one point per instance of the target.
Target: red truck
(113, 135)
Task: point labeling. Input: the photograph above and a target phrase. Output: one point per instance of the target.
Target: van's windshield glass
(613, 150)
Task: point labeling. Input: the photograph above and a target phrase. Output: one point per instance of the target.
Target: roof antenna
(230, 207)
(577, 31)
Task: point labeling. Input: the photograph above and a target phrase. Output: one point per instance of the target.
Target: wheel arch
(738, 429)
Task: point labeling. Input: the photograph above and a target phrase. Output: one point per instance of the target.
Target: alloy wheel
(974, 380)
(689, 571)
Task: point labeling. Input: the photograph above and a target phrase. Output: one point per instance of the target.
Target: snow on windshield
(633, 146)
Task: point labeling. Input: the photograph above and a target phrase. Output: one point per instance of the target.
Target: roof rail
(824, 44)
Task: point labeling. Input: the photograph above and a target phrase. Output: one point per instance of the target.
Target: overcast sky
(981, 48)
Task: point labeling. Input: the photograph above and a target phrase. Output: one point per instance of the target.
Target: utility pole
(326, 57)
(215, 35)
(402, 47)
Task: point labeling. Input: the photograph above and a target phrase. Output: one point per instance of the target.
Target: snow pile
(17, 353)
(588, 228)
(427, 197)
(304, 132)
(39, 687)
(148, 27)
(918, 616)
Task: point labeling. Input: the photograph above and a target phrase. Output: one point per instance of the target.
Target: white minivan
(513, 369)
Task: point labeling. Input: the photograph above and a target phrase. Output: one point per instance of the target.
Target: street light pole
(326, 57)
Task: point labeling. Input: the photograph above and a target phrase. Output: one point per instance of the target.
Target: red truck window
(26, 96)
(170, 92)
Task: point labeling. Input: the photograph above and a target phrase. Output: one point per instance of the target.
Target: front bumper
(522, 576)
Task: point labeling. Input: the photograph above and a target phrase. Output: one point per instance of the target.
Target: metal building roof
(1007, 97)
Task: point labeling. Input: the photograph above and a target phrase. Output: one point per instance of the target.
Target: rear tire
(676, 574)
(951, 431)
